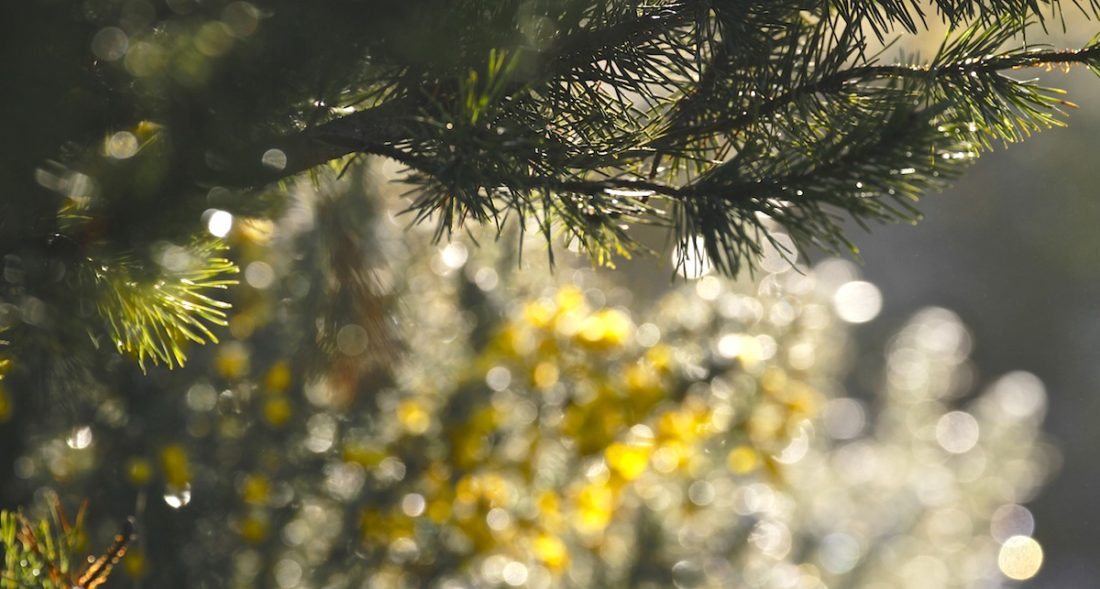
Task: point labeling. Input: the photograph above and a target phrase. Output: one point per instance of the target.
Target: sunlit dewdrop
(81, 438)
(218, 222)
(857, 301)
(121, 145)
(1020, 558)
(957, 432)
(274, 159)
(110, 44)
(1011, 520)
(692, 260)
(259, 275)
(177, 497)
(779, 254)
(454, 255)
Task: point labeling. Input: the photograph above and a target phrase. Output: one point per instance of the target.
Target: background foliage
(543, 434)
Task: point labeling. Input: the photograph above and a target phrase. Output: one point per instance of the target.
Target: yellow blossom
(139, 471)
(363, 456)
(490, 489)
(468, 443)
(773, 381)
(146, 130)
(766, 424)
(594, 425)
(544, 375)
(254, 230)
(673, 455)
(135, 564)
(6, 405)
(570, 298)
(539, 314)
(278, 377)
(253, 529)
(382, 528)
(640, 379)
(595, 504)
(802, 401)
(177, 468)
(439, 510)
(232, 360)
(549, 504)
(743, 459)
(605, 330)
(628, 461)
(512, 341)
(551, 551)
(413, 417)
(255, 489)
(277, 411)
(660, 358)
(683, 424)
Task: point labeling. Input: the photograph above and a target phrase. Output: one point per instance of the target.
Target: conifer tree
(131, 123)
(141, 133)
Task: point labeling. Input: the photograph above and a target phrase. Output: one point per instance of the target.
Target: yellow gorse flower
(616, 417)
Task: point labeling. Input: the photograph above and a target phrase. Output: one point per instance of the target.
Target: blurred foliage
(544, 430)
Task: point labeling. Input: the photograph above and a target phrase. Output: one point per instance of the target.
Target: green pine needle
(40, 554)
(154, 318)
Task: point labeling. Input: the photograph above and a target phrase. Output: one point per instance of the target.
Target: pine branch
(583, 122)
(374, 129)
(42, 554)
(846, 81)
(153, 315)
(378, 129)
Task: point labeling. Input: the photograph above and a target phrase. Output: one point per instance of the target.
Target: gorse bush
(539, 432)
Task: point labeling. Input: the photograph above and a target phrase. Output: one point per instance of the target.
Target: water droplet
(322, 433)
(218, 222)
(274, 159)
(798, 446)
(413, 504)
(691, 259)
(498, 378)
(1020, 394)
(110, 44)
(857, 301)
(352, 340)
(287, 573)
(177, 497)
(1011, 520)
(839, 553)
(514, 573)
(243, 18)
(628, 193)
(259, 275)
(844, 418)
(687, 574)
(80, 438)
(957, 432)
(121, 145)
(1020, 558)
(454, 255)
